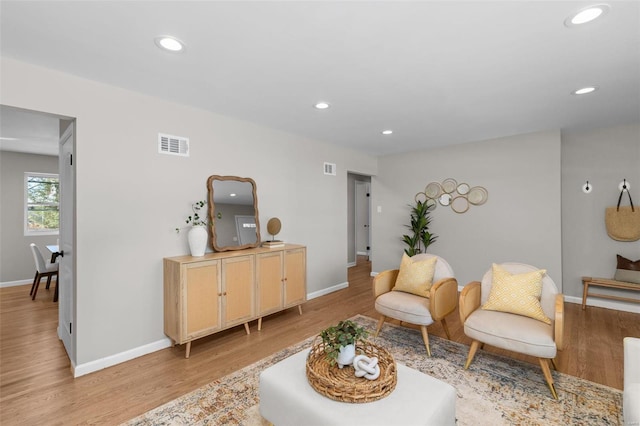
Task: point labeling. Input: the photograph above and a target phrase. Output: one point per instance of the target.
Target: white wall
(604, 157)
(521, 221)
(130, 198)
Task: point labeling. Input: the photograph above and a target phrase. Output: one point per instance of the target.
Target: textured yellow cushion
(415, 276)
(517, 294)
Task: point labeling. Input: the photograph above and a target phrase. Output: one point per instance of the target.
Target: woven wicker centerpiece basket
(341, 384)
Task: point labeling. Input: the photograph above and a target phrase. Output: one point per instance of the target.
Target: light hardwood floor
(36, 387)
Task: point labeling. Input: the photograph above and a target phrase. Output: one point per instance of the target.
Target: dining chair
(43, 269)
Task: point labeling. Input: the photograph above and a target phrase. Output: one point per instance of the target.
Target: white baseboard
(351, 264)
(604, 303)
(99, 364)
(92, 366)
(327, 290)
(16, 283)
(600, 303)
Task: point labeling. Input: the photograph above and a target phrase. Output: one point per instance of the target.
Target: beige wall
(521, 221)
(604, 157)
(130, 199)
(16, 261)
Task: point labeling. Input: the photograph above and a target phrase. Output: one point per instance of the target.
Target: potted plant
(197, 235)
(421, 238)
(340, 341)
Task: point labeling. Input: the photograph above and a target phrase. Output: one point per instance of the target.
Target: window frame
(25, 208)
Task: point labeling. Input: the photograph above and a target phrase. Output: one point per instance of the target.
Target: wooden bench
(603, 282)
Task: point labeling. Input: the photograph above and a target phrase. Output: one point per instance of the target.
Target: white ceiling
(28, 131)
(436, 72)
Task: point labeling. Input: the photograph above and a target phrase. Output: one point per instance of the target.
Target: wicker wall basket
(341, 384)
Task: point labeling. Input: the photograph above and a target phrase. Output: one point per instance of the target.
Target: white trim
(16, 283)
(600, 303)
(603, 303)
(327, 290)
(99, 364)
(351, 264)
(102, 363)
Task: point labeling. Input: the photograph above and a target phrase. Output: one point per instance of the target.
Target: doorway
(362, 219)
(359, 218)
(31, 137)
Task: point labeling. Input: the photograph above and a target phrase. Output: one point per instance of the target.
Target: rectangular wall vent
(173, 145)
(330, 169)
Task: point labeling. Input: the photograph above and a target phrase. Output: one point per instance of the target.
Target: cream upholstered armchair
(437, 283)
(516, 307)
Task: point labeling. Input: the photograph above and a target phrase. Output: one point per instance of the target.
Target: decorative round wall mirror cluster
(451, 193)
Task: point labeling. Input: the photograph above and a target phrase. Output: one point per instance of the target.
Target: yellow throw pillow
(415, 276)
(517, 294)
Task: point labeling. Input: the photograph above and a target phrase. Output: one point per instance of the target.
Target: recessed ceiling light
(584, 90)
(169, 43)
(233, 194)
(322, 105)
(387, 132)
(587, 14)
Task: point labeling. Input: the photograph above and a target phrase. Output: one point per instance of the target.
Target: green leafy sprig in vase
(195, 219)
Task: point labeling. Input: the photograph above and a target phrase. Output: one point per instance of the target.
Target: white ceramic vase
(197, 237)
(346, 355)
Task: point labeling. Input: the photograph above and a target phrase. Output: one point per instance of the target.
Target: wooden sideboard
(207, 294)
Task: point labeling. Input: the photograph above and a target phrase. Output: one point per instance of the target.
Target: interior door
(362, 218)
(67, 261)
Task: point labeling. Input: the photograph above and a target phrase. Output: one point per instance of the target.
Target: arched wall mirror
(233, 213)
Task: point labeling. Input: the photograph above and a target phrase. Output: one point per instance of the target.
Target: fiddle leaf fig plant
(420, 238)
(345, 333)
(195, 219)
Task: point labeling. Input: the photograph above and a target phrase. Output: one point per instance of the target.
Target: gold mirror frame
(215, 216)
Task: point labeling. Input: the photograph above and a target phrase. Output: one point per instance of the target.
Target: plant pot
(197, 237)
(346, 355)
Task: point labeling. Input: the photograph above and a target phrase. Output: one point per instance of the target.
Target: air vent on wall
(330, 169)
(173, 145)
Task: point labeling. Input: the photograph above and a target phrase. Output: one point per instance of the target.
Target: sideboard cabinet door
(270, 278)
(201, 299)
(238, 290)
(295, 277)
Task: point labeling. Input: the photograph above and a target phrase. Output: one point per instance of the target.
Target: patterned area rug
(493, 391)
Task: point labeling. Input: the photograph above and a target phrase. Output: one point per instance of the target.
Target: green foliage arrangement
(195, 219)
(345, 333)
(421, 238)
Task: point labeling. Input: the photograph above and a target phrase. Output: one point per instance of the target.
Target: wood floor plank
(36, 386)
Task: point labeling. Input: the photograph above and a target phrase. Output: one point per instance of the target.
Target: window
(42, 204)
